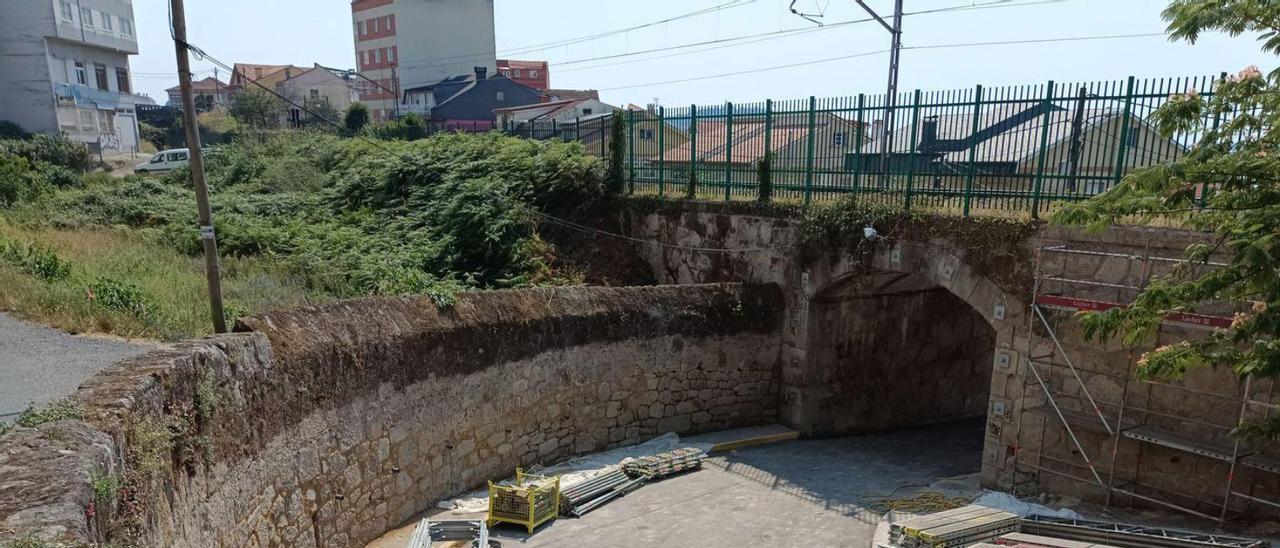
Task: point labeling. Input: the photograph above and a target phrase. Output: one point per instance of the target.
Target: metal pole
(395, 83)
(207, 235)
(662, 151)
(1235, 451)
(768, 133)
(693, 147)
(808, 164)
(973, 149)
(1044, 151)
(1077, 139)
(895, 57)
(728, 152)
(857, 145)
(1123, 145)
(631, 151)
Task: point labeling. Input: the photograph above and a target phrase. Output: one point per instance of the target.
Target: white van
(165, 160)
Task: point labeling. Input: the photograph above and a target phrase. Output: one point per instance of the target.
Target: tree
(617, 153)
(204, 103)
(1229, 185)
(254, 109)
(324, 114)
(356, 118)
(765, 176)
(153, 135)
(414, 127)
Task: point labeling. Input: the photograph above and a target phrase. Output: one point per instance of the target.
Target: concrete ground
(39, 364)
(796, 493)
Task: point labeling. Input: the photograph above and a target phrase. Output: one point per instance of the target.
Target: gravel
(40, 364)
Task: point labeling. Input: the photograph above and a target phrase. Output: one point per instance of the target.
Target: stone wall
(325, 426)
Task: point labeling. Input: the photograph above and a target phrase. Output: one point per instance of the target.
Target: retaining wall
(326, 426)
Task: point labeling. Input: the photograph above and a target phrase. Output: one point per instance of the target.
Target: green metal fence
(1014, 149)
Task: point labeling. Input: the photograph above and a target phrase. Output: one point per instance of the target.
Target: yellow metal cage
(531, 501)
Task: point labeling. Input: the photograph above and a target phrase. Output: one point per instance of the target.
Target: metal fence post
(662, 151)
(693, 147)
(1124, 131)
(631, 150)
(768, 133)
(808, 164)
(857, 144)
(915, 135)
(728, 152)
(1043, 156)
(1217, 121)
(973, 149)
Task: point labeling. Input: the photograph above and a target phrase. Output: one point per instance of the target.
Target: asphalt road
(40, 364)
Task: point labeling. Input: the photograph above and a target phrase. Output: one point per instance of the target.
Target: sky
(304, 32)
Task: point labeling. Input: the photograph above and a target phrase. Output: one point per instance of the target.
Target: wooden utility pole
(207, 235)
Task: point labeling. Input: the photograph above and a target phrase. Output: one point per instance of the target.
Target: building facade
(209, 90)
(403, 44)
(535, 74)
(66, 67)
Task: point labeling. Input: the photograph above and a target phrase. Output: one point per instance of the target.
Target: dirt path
(39, 364)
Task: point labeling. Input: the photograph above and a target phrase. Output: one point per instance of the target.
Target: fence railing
(1000, 150)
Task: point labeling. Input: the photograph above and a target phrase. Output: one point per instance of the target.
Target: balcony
(85, 96)
(97, 38)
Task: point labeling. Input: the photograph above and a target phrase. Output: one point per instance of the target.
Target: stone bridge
(935, 324)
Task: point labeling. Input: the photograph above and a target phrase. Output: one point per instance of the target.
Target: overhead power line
(869, 53)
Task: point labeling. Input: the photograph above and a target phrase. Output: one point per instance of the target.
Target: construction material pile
(962, 526)
(579, 499)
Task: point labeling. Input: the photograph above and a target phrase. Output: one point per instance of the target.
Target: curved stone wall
(325, 426)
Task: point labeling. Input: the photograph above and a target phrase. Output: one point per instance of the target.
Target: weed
(120, 296)
(36, 415)
(151, 446)
(106, 486)
(35, 260)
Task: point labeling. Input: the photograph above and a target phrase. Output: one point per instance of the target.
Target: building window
(100, 74)
(837, 139)
(122, 80)
(517, 73)
(67, 13)
(646, 134)
(501, 96)
(107, 25)
(1133, 139)
(315, 95)
(86, 17)
(87, 121)
(533, 74)
(395, 53)
(587, 111)
(126, 26)
(373, 25)
(82, 76)
(391, 23)
(360, 29)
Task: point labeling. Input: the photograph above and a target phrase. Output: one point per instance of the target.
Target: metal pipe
(1084, 388)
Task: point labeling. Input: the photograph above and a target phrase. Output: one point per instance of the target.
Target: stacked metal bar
(665, 464)
(963, 526)
(575, 496)
(616, 492)
(1132, 536)
(429, 532)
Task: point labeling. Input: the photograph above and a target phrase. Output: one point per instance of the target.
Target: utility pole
(1077, 138)
(890, 100)
(207, 236)
(395, 83)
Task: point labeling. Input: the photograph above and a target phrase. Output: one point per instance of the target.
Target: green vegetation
(1229, 184)
(617, 153)
(106, 486)
(255, 110)
(764, 174)
(36, 415)
(303, 217)
(356, 118)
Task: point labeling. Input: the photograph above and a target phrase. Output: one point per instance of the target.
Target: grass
(172, 285)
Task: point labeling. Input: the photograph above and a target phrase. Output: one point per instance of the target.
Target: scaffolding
(1132, 418)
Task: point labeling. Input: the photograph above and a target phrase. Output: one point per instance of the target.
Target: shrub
(691, 187)
(18, 180)
(57, 150)
(120, 296)
(356, 118)
(617, 153)
(11, 130)
(154, 135)
(765, 177)
(36, 415)
(37, 261)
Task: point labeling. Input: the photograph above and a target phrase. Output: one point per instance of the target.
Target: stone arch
(906, 266)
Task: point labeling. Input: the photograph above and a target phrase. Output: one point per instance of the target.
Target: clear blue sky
(303, 32)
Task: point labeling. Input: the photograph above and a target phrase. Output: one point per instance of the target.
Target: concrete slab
(794, 493)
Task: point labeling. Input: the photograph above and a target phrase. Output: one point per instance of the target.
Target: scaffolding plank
(1076, 304)
(1261, 462)
(1181, 442)
(1078, 419)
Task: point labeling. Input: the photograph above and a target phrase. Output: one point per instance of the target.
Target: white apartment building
(404, 44)
(66, 69)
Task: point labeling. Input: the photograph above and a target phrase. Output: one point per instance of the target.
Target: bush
(765, 177)
(120, 296)
(19, 181)
(154, 135)
(34, 260)
(66, 408)
(356, 118)
(10, 130)
(57, 150)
